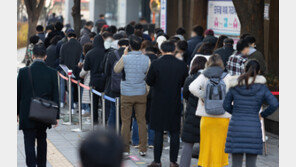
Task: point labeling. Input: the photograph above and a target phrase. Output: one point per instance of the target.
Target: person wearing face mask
(108, 39)
(236, 62)
(254, 54)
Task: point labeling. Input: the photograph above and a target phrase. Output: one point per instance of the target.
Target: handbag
(42, 110)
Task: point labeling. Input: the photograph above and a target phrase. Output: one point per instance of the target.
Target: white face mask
(107, 43)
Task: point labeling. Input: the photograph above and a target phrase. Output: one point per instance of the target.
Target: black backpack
(116, 77)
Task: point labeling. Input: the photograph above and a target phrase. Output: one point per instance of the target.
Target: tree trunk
(76, 17)
(33, 11)
(251, 16)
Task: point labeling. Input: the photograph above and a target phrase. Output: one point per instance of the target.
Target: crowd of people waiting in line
(224, 89)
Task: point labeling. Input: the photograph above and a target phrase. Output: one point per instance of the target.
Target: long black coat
(45, 83)
(52, 59)
(166, 75)
(191, 126)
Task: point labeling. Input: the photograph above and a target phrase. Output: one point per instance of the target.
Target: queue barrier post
(79, 129)
(103, 109)
(91, 108)
(117, 104)
(59, 86)
(69, 98)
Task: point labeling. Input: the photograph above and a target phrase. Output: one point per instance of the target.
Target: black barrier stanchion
(103, 109)
(117, 115)
(69, 98)
(91, 108)
(79, 129)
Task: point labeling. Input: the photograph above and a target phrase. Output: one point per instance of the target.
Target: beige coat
(85, 93)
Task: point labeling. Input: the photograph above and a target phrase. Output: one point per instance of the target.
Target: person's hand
(80, 65)
(56, 124)
(260, 117)
(125, 51)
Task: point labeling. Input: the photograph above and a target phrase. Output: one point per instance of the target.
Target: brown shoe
(154, 164)
(174, 164)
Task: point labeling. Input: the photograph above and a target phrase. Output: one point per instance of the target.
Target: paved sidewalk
(63, 145)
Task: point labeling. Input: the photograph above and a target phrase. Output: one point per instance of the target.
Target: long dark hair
(198, 64)
(206, 48)
(219, 43)
(251, 70)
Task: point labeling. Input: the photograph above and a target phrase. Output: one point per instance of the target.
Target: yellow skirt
(213, 133)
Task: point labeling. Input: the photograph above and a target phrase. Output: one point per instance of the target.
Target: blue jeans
(135, 134)
(86, 107)
(112, 116)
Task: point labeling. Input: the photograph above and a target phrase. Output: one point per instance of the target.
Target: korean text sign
(222, 18)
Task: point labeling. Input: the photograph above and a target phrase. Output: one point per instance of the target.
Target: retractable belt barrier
(91, 91)
(103, 96)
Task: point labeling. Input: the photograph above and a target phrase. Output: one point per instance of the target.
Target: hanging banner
(222, 18)
(163, 15)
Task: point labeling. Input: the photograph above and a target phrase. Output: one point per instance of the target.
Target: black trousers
(96, 107)
(174, 145)
(30, 135)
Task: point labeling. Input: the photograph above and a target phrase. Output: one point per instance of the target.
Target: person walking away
(85, 75)
(226, 51)
(166, 76)
(84, 33)
(113, 87)
(100, 23)
(133, 92)
(45, 83)
(52, 19)
(246, 95)
(214, 120)
(196, 38)
(191, 130)
(101, 148)
(254, 54)
(52, 59)
(236, 62)
(92, 62)
(70, 55)
(40, 32)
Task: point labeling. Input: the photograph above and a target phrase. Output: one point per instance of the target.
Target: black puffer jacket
(191, 127)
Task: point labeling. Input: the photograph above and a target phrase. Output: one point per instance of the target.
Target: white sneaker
(83, 112)
(142, 153)
(61, 105)
(126, 155)
(74, 105)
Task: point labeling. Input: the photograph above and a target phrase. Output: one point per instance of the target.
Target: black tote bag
(42, 110)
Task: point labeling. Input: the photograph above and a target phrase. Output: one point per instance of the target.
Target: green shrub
(22, 34)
